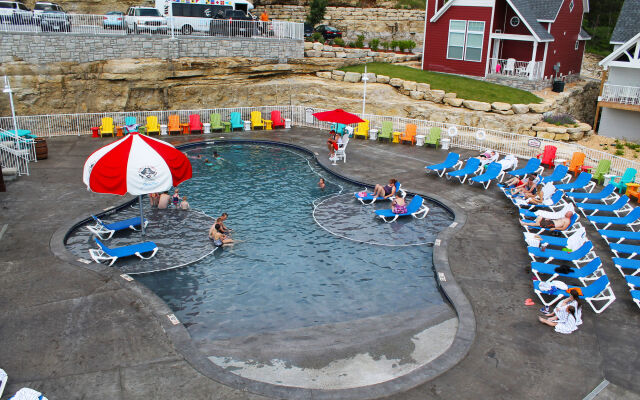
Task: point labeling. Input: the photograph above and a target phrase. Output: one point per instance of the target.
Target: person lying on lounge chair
(385, 191)
(559, 224)
(399, 205)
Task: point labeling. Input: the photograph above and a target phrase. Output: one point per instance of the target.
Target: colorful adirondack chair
(409, 134)
(601, 170)
(195, 125)
(577, 161)
(386, 131)
(236, 121)
(107, 127)
(434, 136)
(256, 120)
(173, 124)
(362, 129)
(338, 128)
(152, 125)
(216, 122)
(130, 125)
(276, 119)
(620, 182)
(548, 155)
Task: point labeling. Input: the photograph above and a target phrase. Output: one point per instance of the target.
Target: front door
(494, 56)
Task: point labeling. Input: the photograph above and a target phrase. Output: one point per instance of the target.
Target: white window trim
(577, 46)
(571, 6)
(511, 21)
(466, 33)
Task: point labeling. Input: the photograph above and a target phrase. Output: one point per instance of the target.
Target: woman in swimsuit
(219, 239)
(385, 191)
(399, 206)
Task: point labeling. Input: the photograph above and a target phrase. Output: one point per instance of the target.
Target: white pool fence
(16, 152)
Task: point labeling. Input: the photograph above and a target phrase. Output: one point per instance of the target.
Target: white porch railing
(532, 70)
(620, 94)
(16, 152)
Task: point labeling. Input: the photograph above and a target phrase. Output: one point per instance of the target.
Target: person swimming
(321, 183)
(207, 162)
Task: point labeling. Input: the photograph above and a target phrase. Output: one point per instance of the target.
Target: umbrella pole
(141, 214)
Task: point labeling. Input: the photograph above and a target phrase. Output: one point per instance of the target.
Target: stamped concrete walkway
(73, 333)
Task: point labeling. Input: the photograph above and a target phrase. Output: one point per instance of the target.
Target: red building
(523, 38)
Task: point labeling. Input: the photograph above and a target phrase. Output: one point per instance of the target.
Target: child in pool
(175, 199)
(399, 206)
(321, 183)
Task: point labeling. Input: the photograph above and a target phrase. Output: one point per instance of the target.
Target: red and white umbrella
(137, 165)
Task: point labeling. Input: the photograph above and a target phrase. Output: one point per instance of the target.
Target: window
(515, 21)
(465, 40)
(571, 6)
(577, 44)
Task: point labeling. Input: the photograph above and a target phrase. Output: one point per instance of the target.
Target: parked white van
(196, 15)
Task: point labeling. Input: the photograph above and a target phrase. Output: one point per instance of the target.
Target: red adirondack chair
(277, 119)
(194, 123)
(548, 155)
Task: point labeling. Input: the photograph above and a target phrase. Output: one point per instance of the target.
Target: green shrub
(374, 43)
(559, 119)
(619, 152)
(317, 9)
(317, 37)
(385, 45)
(338, 41)
(360, 42)
(402, 44)
(352, 44)
(411, 45)
(619, 146)
(410, 4)
(605, 148)
(393, 45)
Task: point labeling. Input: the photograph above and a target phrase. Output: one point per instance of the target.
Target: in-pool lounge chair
(583, 181)
(106, 231)
(152, 125)
(368, 196)
(276, 119)
(216, 122)
(619, 206)
(559, 174)
(606, 194)
(195, 125)
(409, 134)
(631, 220)
(434, 137)
(256, 120)
(471, 167)
(598, 291)
(386, 131)
(532, 167)
(107, 127)
(627, 266)
(584, 254)
(173, 125)
(236, 121)
(416, 208)
(493, 171)
(111, 255)
(620, 182)
(451, 162)
(601, 170)
(589, 272)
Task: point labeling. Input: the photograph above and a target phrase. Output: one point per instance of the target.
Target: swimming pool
(288, 271)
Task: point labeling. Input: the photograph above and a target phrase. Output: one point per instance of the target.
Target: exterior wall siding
(562, 49)
(437, 38)
(620, 124)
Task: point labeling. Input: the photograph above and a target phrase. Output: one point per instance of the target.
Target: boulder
(370, 76)
(497, 105)
(328, 54)
(337, 75)
(312, 53)
(452, 101)
(540, 108)
(409, 85)
(476, 105)
(576, 135)
(423, 87)
(562, 136)
(557, 129)
(450, 95)
(323, 74)
(328, 48)
(538, 128)
(382, 79)
(584, 127)
(416, 95)
(573, 130)
(341, 54)
(308, 45)
(395, 82)
(546, 135)
(528, 132)
(352, 77)
(520, 108)
(504, 112)
(318, 46)
(437, 95)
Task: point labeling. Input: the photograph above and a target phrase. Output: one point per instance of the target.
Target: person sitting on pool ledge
(220, 221)
(559, 224)
(219, 239)
(399, 206)
(385, 191)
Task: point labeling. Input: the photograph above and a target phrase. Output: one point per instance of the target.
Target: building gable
(627, 55)
(461, 3)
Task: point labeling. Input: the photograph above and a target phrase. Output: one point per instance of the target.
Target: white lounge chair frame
(420, 214)
(606, 295)
(99, 256)
(101, 231)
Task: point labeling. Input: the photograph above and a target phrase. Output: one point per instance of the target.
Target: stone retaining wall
(43, 48)
(381, 23)
(356, 55)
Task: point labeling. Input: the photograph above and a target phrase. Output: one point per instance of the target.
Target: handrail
(621, 94)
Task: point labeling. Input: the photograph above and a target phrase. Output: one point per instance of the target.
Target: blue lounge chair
(635, 295)
(599, 290)
(471, 167)
(532, 167)
(105, 231)
(369, 196)
(631, 265)
(633, 281)
(619, 206)
(493, 171)
(573, 226)
(620, 248)
(606, 194)
(104, 253)
(583, 181)
(630, 220)
(589, 272)
(236, 121)
(416, 208)
(558, 240)
(451, 162)
(582, 255)
(607, 235)
(559, 174)
(557, 202)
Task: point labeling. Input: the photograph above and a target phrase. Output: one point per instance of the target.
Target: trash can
(207, 128)
(247, 125)
(373, 134)
(95, 131)
(558, 86)
(163, 130)
(444, 144)
(287, 123)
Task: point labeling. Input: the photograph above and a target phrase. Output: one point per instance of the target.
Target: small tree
(317, 9)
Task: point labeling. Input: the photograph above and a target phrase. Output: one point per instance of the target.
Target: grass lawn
(466, 88)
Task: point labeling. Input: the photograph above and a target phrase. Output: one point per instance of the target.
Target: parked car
(15, 13)
(233, 23)
(328, 32)
(42, 6)
(145, 19)
(55, 21)
(113, 20)
(308, 30)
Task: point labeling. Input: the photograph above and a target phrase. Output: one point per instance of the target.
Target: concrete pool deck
(73, 333)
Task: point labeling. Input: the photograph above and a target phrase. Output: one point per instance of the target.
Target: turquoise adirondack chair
(620, 182)
(130, 124)
(236, 121)
(338, 128)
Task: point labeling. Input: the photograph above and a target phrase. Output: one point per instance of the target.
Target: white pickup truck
(145, 19)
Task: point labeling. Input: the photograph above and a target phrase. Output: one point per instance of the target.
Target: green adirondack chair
(386, 131)
(434, 137)
(216, 122)
(601, 170)
(620, 182)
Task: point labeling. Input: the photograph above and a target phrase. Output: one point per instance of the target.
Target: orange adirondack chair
(409, 134)
(548, 155)
(174, 124)
(277, 119)
(577, 161)
(194, 123)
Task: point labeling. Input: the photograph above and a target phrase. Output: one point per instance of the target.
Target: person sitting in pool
(184, 205)
(220, 221)
(164, 200)
(558, 224)
(219, 238)
(175, 199)
(321, 183)
(385, 191)
(207, 162)
(398, 205)
(153, 199)
(332, 143)
(217, 157)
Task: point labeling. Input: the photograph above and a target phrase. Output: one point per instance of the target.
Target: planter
(558, 86)
(42, 151)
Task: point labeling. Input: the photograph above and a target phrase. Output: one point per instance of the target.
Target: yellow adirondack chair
(256, 120)
(107, 127)
(362, 129)
(152, 125)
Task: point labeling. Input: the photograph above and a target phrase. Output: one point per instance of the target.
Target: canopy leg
(141, 214)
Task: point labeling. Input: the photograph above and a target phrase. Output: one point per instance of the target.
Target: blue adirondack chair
(236, 121)
(620, 182)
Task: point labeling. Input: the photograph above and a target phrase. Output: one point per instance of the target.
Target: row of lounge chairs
(476, 170)
(22, 394)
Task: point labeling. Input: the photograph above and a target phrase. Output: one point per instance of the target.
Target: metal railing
(620, 94)
(465, 137)
(89, 24)
(16, 152)
(532, 70)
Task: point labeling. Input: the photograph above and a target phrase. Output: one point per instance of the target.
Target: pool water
(289, 271)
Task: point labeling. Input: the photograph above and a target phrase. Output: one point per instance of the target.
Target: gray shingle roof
(528, 10)
(627, 25)
(545, 10)
(584, 35)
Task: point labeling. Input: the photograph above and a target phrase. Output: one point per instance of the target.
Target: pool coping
(181, 340)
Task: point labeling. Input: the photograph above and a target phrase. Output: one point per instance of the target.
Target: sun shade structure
(339, 116)
(136, 165)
